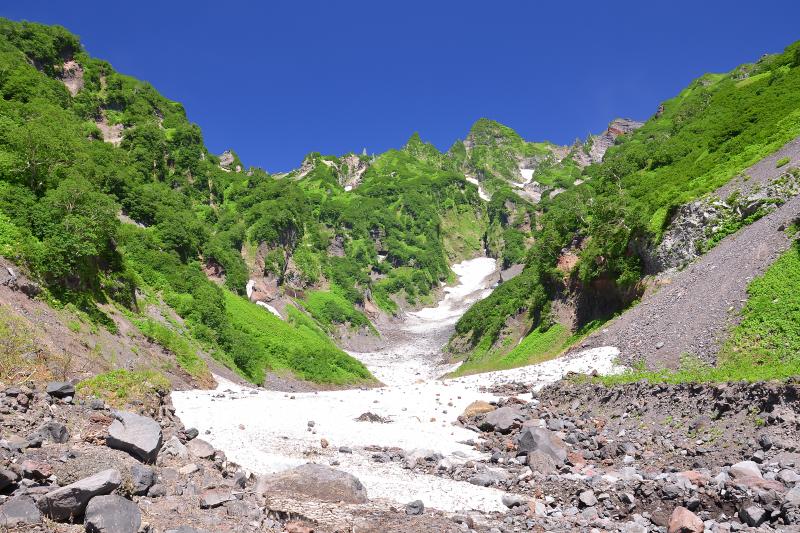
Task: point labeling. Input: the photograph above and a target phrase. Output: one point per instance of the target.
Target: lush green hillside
(62, 189)
(715, 128)
(108, 194)
(763, 346)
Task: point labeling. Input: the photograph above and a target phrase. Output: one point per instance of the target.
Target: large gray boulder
(173, 448)
(745, 469)
(138, 435)
(142, 478)
(200, 449)
(488, 478)
(7, 477)
(501, 420)
(214, 498)
(535, 439)
(318, 482)
(60, 389)
(70, 501)
(112, 514)
(51, 432)
(19, 511)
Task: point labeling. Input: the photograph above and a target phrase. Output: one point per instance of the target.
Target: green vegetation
(782, 162)
(21, 357)
(96, 223)
(764, 345)
(495, 151)
(261, 340)
(173, 342)
(330, 309)
(120, 387)
(714, 129)
(538, 346)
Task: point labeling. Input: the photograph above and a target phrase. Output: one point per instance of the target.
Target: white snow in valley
(481, 191)
(267, 431)
(527, 177)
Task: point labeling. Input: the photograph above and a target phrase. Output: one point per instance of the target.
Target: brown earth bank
(65, 345)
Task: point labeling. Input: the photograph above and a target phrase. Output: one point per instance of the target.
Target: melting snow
(267, 431)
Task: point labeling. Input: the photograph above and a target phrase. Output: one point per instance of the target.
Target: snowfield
(269, 431)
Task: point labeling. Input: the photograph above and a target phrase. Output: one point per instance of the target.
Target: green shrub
(781, 162)
(120, 387)
(173, 342)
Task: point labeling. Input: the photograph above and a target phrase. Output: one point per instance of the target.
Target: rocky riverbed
(539, 448)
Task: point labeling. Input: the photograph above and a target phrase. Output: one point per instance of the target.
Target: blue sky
(276, 80)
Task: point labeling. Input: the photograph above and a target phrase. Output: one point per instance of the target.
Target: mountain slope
(108, 197)
(595, 241)
(128, 223)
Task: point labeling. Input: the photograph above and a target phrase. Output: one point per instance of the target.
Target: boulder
(789, 477)
(415, 508)
(501, 420)
(489, 477)
(476, 408)
(745, 469)
(542, 463)
(200, 449)
(214, 498)
(683, 520)
(587, 498)
(533, 439)
(54, 432)
(70, 501)
(315, 481)
(19, 511)
(138, 435)
(792, 498)
(753, 515)
(173, 448)
(7, 477)
(112, 514)
(60, 389)
(415, 456)
(513, 500)
(142, 478)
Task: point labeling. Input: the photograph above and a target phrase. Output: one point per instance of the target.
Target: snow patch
(270, 309)
(481, 192)
(276, 437)
(249, 287)
(267, 431)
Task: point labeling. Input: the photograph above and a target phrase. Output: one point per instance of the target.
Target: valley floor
(268, 431)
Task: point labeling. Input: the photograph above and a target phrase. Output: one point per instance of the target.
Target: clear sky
(276, 80)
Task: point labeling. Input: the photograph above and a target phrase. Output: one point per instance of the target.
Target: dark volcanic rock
(415, 508)
(138, 435)
(501, 420)
(70, 501)
(19, 511)
(60, 389)
(533, 439)
(142, 477)
(112, 514)
(315, 481)
(51, 432)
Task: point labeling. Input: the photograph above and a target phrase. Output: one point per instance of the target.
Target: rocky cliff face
(696, 227)
(598, 145)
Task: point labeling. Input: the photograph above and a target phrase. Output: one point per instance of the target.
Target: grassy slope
(766, 343)
(297, 348)
(707, 134)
